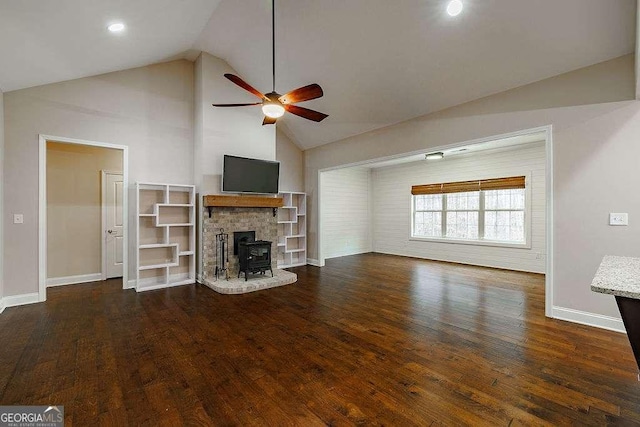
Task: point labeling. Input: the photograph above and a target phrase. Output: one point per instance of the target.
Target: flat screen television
(243, 175)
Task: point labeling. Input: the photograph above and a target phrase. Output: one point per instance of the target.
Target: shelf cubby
(165, 235)
(292, 230)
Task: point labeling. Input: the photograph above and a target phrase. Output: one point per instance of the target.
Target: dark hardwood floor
(368, 339)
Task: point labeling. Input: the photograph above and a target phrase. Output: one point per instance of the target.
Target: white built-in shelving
(292, 229)
(165, 235)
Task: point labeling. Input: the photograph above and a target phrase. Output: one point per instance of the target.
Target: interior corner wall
(1, 197)
(235, 131)
(596, 126)
(74, 207)
(346, 212)
(148, 109)
(291, 160)
(392, 206)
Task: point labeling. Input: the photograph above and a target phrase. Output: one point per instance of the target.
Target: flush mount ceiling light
(455, 7)
(434, 156)
(116, 27)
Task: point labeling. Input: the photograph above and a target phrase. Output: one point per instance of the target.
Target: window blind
(466, 186)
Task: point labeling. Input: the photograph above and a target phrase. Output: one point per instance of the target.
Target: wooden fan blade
(306, 113)
(268, 121)
(236, 105)
(244, 85)
(305, 93)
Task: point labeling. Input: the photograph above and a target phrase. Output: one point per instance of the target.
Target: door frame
(42, 206)
(547, 131)
(103, 218)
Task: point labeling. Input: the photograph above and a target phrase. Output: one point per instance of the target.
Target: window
(493, 211)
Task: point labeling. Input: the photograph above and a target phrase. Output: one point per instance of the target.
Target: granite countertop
(618, 275)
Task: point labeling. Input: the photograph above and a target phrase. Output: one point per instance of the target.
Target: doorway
(82, 215)
(397, 220)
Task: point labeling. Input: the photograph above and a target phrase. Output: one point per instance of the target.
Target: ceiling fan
(273, 104)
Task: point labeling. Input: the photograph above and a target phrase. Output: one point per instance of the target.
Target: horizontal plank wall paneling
(346, 212)
(392, 206)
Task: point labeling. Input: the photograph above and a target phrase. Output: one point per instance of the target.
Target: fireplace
(254, 257)
(236, 219)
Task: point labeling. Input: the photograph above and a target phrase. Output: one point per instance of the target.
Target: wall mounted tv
(243, 175)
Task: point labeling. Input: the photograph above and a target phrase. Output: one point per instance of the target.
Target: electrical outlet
(618, 219)
(18, 219)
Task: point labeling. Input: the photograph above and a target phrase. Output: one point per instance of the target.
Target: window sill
(494, 243)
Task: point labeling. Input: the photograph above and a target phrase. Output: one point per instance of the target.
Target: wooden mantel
(218, 201)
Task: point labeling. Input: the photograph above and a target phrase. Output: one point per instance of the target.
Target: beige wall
(148, 109)
(74, 202)
(1, 195)
(291, 161)
(595, 134)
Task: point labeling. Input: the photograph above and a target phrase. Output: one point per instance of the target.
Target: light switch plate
(18, 219)
(618, 219)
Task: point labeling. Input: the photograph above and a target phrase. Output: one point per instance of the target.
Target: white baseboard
(131, 284)
(174, 280)
(1, 305)
(23, 299)
(589, 319)
(314, 262)
(72, 280)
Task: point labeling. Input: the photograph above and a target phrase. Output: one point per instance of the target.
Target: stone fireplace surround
(260, 220)
(239, 218)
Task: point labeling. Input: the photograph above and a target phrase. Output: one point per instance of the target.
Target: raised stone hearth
(231, 219)
(259, 282)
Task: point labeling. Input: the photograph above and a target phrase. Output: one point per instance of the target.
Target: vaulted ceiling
(380, 62)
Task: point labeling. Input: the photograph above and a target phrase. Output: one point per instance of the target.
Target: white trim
(548, 281)
(448, 261)
(42, 205)
(589, 319)
(131, 284)
(495, 243)
(314, 262)
(72, 280)
(103, 219)
(23, 299)
(2, 307)
(320, 261)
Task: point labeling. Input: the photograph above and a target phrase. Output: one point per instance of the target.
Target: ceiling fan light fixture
(273, 110)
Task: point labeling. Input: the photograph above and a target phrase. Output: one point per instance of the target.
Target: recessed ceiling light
(434, 156)
(116, 27)
(455, 7)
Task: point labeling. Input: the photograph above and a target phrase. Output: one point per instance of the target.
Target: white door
(112, 210)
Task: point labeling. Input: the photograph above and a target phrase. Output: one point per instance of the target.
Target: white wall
(148, 109)
(219, 131)
(291, 163)
(346, 212)
(392, 206)
(596, 128)
(236, 131)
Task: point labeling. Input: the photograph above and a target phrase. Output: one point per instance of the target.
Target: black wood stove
(253, 256)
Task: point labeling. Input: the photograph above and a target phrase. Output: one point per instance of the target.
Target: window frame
(480, 241)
